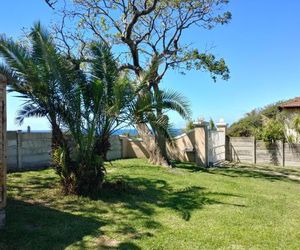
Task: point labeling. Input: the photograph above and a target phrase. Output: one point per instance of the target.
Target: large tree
(148, 35)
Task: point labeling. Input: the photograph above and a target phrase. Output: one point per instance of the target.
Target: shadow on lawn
(35, 225)
(276, 174)
(143, 194)
(31, 226)
(259, 173)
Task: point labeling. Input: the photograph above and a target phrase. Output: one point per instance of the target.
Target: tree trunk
(102, 145)
(162, 144)
(156, 156)
(58, 139)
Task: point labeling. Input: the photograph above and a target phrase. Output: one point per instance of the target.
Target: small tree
(272, 130)
(212, 125)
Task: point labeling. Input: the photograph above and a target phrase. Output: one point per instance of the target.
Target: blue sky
(261, 46)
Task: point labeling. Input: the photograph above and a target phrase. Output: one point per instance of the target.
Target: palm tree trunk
(160, 137)
(162, 144)
(102, 145)
(156, 156)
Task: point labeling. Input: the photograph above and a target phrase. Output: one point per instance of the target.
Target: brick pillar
(201, 141)
(2, 149)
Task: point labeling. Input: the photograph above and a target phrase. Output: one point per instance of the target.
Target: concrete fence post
(283, 152)
(19, 149)
(254, 150)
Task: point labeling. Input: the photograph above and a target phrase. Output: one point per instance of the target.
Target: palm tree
(116, 94)
(152, 126)
(36, 73)
(85, 105)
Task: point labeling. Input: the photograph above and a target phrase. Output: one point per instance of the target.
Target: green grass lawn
(157, 208)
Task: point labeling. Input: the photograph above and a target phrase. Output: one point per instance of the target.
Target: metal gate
(216, 147)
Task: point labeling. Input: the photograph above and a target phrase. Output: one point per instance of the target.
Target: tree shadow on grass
(34, 225)
(257, 173)
(144, 194)
(190, 166)
(271, 174)
(31, 226)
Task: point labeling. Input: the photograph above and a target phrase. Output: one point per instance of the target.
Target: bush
(271, 131)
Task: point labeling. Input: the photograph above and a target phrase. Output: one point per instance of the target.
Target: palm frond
(10, 75)
(29, 110)
(174, 101)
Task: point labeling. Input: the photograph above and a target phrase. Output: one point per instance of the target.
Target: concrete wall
(184, 148)
(249, 150)
(187, 147)
(33, 150)
(115, 151)
(28, 150)
(133, 148)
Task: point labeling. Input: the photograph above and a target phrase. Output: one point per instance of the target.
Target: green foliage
(147, 30)
(296, 123)
(189, 126)
(253, 121)
(212, 125)
(144, 110)
(88, 105)
(37, 72)
(271, 131)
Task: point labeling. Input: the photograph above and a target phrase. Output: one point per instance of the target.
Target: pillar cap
(221, 123)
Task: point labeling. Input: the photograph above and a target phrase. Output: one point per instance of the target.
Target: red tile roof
(294, 103)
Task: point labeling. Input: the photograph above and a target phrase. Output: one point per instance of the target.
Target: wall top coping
(200, 124)
(179, 136)
(183, 134)
(129, 139)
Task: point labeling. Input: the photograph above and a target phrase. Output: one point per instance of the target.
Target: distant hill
(253, 120)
